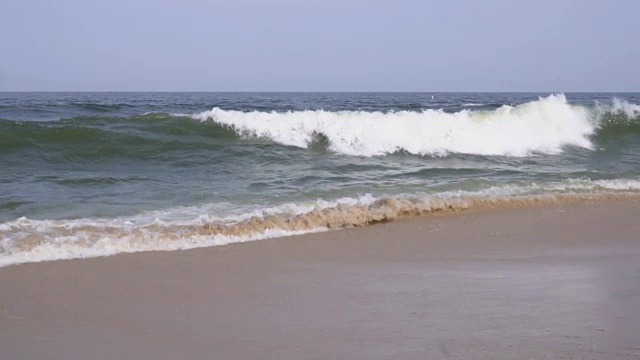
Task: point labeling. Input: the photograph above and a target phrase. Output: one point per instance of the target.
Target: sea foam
(543, 126)
(31, 240)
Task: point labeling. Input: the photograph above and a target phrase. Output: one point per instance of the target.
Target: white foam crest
(77, 246)
(543, 126)
(617, 107)
(573, 186)
(30, 240)
(227, 213)
(592, 185)
(632, 111)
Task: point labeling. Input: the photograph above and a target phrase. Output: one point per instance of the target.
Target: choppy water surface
(90, 174)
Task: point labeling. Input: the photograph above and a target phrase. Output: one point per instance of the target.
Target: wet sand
(550, 282)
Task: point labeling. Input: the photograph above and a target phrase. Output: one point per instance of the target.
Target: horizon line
(319, 92)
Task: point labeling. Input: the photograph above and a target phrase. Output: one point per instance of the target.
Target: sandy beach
(552, 282)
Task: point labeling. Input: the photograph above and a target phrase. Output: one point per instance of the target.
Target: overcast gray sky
(320, 45)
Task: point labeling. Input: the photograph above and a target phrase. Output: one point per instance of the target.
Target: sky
(319, 45)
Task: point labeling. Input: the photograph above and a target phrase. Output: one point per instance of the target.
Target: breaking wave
(29, 240)
(543, 126)
(547, 126)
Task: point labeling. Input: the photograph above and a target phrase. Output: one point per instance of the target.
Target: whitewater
(543, 126)
(92, 174)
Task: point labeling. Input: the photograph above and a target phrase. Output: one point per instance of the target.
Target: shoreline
(84, 241)
(536, 282)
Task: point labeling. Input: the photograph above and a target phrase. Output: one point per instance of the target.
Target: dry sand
(549, 282)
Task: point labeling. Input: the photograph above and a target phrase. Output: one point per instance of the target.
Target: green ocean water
(75, 163)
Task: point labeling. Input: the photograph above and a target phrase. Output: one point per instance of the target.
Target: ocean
(95, 174)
